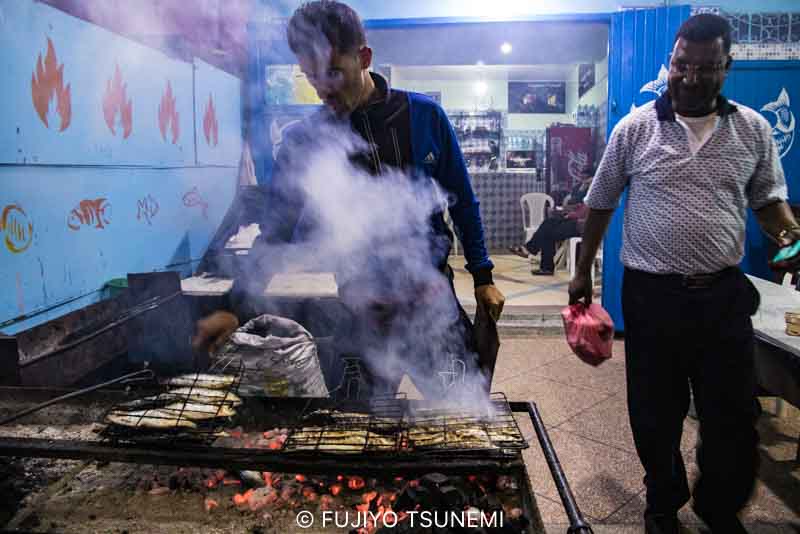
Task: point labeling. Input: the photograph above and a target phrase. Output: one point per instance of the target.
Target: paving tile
(522, 355)
(601, 478)
(608, 422)
(555, 401)
(608, 377)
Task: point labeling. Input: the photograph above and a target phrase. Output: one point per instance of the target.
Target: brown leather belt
(689, 281)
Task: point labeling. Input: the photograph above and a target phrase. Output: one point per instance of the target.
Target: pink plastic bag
(590, 332)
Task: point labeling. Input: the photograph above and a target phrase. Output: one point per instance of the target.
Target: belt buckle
(698, 281)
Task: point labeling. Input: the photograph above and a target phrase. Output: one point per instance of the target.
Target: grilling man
(403, 132)
(693, 162)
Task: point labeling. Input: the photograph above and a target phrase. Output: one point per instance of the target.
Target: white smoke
(375, 234)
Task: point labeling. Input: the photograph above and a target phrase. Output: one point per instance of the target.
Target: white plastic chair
(534, 208)
(572, 258)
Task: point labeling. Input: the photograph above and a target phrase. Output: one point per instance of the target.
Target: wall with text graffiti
(115, 158)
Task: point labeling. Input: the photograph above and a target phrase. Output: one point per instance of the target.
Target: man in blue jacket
(404, 132)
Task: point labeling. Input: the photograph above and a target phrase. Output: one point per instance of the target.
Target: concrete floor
(584, 409)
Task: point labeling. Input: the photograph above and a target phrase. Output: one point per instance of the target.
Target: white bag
(275, 347)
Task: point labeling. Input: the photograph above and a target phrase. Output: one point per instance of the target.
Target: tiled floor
(584, 409)
(512, 275)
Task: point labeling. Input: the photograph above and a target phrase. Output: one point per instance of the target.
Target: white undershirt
(699, 129)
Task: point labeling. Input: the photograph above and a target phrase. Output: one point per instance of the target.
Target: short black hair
(338, 22)
(706, 27)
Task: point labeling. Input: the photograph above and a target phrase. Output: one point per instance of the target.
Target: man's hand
(214, 330)
(580, 287)
(785, 239)
(490, 299)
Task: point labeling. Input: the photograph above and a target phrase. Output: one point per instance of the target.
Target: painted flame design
(48, 82)
(210, 124)
(115, 100)
(168, 116)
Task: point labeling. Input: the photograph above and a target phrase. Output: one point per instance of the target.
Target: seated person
(562, 224)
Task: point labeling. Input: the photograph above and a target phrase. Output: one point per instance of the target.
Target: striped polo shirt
(685, 213)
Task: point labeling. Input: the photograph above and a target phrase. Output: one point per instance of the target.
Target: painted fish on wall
(193, 198)
(95, 212)
(17, 228)
(783, 131)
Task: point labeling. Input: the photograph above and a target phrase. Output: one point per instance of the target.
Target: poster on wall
(569, 151)
(585, 78)
(537, 97)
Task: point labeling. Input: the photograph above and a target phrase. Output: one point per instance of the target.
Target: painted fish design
(193, 198)
(659, 85)
(783, 131)
(95, 212)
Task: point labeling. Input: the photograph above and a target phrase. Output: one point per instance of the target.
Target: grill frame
(197, 455)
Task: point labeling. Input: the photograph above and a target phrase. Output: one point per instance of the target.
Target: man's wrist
(482, 277)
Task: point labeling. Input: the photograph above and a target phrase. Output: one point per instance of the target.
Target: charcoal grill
(382, 416)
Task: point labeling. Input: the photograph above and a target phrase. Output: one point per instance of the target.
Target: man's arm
(778, 222)
(776, 217)
(593, 231)
(452, 174)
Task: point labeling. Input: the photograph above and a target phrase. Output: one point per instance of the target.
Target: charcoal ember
(252, 479)
(410, 497)
(490, 503)
(506, 483)
(452, 497)
(434, 480)
(516, 525)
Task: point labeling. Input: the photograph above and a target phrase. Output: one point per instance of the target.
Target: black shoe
(721, 524)
(661, 524)
(542, 272)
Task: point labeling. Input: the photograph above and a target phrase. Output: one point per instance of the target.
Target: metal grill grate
(193, 407)
(389, 427)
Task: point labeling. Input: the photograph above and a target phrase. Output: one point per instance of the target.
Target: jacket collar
(665, 112)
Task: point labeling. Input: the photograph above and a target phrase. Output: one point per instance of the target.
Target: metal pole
(138, 375)
(576, 521)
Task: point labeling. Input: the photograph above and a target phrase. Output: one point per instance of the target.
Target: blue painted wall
(756, 84)
(91, 195)
(639, 43)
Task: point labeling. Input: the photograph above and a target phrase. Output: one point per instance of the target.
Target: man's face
(338, 78)
(696, 74)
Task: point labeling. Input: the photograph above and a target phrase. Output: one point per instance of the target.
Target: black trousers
(550, 232)
(676, 336)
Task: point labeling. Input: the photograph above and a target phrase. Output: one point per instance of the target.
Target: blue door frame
(639, 44)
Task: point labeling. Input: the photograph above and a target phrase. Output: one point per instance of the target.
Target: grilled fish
(198, 412)
(339, 441)
(202, 380)
(204, 395)
(157, 418)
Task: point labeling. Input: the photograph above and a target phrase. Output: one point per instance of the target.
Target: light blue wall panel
(148, 219)
(87, 57)
(218, 116)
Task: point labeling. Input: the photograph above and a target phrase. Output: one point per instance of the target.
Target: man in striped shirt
(693, 162)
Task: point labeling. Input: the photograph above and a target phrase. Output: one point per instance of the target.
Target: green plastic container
(115, 286)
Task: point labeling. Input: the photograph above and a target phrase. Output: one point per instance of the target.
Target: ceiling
(532, 43)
